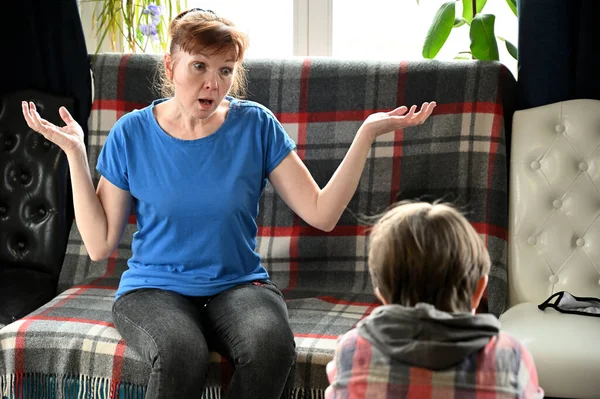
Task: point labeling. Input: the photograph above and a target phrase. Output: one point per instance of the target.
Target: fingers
(411, 112)
(398, 111)
(66, 116)
(424, 113)
(34, 121)
(27, 115)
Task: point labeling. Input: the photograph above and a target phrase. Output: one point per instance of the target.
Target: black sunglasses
(195, 9)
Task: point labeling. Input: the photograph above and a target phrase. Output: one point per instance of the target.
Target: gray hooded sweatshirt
(422, 336)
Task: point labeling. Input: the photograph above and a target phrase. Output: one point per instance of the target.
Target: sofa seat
(78, 322)
(564, 346)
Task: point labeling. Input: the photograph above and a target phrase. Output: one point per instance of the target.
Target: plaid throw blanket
(69, 348)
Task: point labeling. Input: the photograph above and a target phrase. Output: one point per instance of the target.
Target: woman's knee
(179, 351)
(269, 349)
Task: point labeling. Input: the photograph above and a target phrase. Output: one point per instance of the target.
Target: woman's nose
(210, 83)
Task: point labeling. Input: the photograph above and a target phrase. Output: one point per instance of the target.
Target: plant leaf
(468, 8)
(439, 30)
(512, 50)
(458, 22)
(513, 6)
(462, 57)
(483, 40)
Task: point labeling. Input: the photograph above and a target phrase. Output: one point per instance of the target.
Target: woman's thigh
(249, 321)
(160, 323)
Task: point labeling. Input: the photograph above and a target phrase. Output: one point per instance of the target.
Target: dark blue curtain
(559, 51)
(44, 49)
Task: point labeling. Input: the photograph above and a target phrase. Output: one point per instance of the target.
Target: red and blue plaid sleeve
(528, 378)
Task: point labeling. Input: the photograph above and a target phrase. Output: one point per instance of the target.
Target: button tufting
(8, 144)
(535, 165)
(553, 279)
(560, 128)
(557, 203)
(580, 242)
(532, 240)
(42, 211)
(25, 178)
(583, 166)
(21, 244)
(46, 144)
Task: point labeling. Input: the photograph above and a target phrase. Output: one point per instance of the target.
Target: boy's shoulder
(349, 338)
(505, 341)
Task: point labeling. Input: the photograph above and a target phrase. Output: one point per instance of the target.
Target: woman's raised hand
(383, 122)
(69, 137)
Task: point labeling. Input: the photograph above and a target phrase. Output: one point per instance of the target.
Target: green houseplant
(484, 42)
(133, 25)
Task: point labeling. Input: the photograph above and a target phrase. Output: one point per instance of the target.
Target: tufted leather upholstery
(554, 241)
(34, 201)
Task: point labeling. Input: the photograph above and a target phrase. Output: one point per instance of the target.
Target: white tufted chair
(554, 241)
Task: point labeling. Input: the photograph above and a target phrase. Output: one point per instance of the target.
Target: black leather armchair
(35, 206)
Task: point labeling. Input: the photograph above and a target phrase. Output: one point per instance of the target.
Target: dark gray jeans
(248, 324)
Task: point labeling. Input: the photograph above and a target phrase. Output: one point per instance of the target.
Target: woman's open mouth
(204, 103)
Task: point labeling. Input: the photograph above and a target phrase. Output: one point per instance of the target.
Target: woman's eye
(198, 65)
(226, 71)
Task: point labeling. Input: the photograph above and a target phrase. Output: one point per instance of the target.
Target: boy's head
(422, 252)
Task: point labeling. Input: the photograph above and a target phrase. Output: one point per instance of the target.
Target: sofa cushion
(563, 346)
(77, 325)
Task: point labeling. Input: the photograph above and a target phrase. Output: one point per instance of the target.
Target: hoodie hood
(425, 337)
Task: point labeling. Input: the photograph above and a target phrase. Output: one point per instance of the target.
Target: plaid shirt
(502, 369)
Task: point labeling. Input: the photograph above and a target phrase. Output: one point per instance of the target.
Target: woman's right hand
(69, 137)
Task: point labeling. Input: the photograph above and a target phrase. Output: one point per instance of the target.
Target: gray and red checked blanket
(70, 348)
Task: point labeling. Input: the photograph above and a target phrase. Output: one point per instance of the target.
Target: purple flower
(149, 30)
(153, 9)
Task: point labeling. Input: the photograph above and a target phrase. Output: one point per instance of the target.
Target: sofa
(554, 232)
(69, 348)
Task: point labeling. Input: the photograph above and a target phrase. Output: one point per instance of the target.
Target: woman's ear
(168, 60)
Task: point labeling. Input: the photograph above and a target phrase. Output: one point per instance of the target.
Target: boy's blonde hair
(422, 252)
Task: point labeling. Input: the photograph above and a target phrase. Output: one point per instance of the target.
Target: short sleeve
(278, 144)
(112, 160)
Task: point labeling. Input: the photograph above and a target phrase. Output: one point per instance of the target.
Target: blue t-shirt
(196, 201)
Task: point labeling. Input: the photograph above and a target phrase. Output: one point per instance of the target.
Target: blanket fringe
(44, 386)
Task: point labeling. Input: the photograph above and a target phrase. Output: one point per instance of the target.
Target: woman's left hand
(384, 122)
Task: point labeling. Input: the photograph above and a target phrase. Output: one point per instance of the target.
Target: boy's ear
(479, 290)
(380, 297)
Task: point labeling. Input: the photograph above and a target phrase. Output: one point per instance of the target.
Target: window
(268, 23)
(396, 29)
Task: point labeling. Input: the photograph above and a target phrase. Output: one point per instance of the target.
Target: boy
(429, 268)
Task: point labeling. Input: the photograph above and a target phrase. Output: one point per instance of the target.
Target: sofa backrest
(555, 201)
(458, 155)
